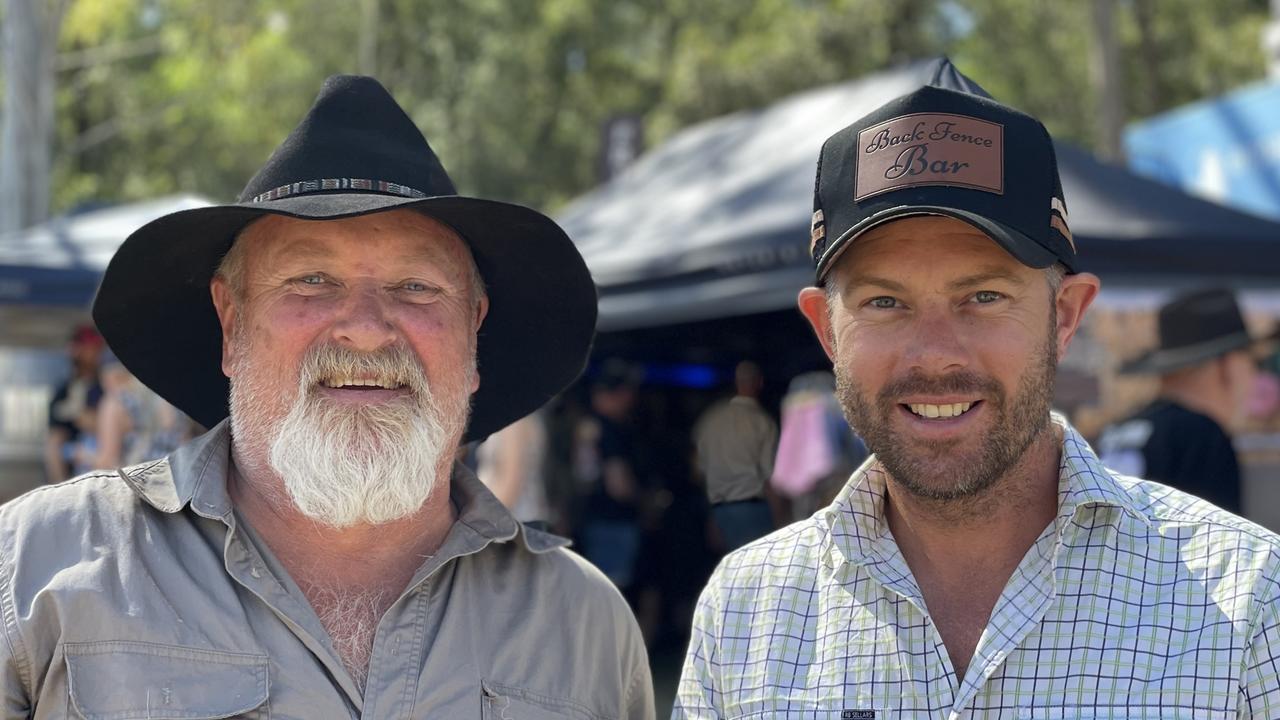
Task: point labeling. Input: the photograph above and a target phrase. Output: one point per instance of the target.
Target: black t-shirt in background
(1170, 444)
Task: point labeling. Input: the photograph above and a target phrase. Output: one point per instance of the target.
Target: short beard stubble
(919, 467)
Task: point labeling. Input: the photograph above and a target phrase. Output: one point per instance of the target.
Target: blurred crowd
(102, 417)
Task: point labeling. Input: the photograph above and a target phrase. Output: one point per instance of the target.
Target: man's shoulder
(788, 557)
(1172, 421)
(93, 492)
(1164, 508)
(95, 509)
(548, 563)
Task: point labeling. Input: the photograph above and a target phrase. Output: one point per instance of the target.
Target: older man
(319, 554)
(982, 563)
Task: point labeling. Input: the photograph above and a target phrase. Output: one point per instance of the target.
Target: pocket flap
(503, 702)
(121, 680)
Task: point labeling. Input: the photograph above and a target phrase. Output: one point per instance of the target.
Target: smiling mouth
(945, 411)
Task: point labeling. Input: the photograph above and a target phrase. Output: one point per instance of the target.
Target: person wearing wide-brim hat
(342, 329)
(1206, 368)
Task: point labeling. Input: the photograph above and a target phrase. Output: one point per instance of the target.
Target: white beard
(346, 465)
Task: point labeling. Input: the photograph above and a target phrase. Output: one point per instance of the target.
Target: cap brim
(154, 306)
(1169, 359)
(1022, 248)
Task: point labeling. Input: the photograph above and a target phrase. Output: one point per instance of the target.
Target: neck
(1200, 392)
(992, 530)
(376, 557)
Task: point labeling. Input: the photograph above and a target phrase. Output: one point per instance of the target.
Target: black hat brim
(1163, 360)
(1021, 247)
(155, 310)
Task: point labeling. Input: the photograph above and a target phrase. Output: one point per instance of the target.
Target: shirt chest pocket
(122, 680)
(502, 702)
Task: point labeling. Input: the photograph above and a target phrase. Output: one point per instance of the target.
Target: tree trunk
(26, 129)
(1144, 14)
(1106, 79)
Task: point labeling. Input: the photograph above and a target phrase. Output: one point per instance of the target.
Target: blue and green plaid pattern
(1139, 601)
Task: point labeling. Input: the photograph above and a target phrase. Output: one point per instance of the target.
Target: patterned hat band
(306, 187)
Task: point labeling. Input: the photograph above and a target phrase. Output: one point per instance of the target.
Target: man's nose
(363, 323)
(938, 344)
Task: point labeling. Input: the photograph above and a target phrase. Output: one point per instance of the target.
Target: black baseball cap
(943, 151)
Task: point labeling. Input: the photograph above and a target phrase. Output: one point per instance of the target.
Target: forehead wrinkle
(858, 280)
(987, 275)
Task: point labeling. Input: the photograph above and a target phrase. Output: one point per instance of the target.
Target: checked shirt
(1138, 601)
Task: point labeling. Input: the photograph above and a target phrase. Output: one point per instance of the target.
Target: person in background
(72, 410)
(512, 464)
(134, 424)
(1206, 369)
(816, 449)
(736, 441)
(605, 466)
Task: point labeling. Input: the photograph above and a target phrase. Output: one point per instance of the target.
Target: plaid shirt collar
(858, 533)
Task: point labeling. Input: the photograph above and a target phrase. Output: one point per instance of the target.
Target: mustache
(394, 364)
(956, 383)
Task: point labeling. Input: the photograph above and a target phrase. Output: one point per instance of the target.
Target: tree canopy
(159, 96)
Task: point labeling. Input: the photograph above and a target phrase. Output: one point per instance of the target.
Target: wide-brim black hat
(355, 153)
(1195, 328)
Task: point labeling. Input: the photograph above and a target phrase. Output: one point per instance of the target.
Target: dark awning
(715, 221)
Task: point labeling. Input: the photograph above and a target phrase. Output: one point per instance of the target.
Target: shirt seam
(629, 693)
(410, 698)
(1258, 613)
(9, 608)
(200, 478)
(94, 475)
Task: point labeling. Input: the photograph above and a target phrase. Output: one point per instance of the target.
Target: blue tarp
(1226, 149)
(59, 263)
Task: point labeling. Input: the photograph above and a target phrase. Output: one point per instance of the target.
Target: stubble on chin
(963, 478)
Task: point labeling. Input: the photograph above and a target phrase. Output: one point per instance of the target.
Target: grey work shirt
(136, 594)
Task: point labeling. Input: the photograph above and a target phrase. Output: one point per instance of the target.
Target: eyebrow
(986, 276)
(858, 281)
(980, 278)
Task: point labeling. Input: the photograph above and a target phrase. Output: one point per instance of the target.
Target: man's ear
(482, 311)
(813, 305)
(1074, 296)
(224, 302)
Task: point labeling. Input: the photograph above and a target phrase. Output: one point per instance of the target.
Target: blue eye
(985, 297)
(312, 280)
(884, 302)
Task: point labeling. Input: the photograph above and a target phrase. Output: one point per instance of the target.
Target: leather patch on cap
(930, 149)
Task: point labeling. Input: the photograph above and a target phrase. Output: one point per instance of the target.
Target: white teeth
(337, 382)
(936, 411)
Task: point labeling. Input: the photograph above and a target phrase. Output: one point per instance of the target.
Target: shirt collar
(856, 521)
(196, 475)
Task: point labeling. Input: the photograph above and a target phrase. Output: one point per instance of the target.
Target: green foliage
(512, 94)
